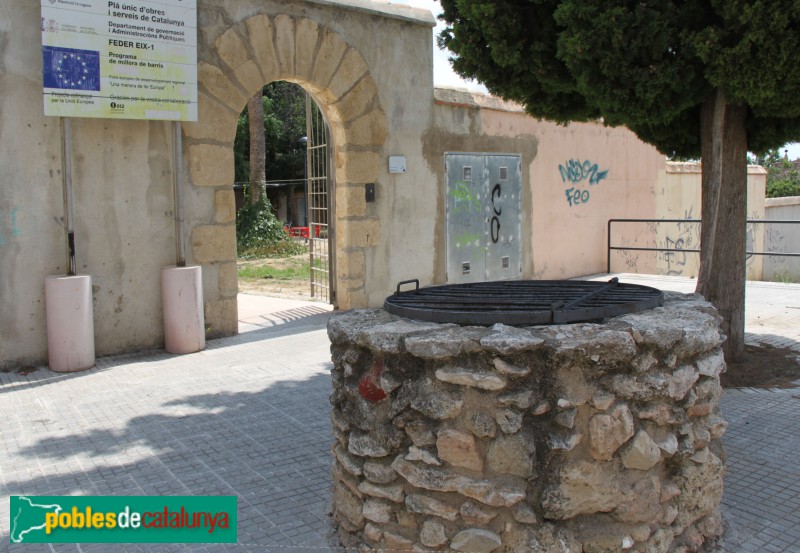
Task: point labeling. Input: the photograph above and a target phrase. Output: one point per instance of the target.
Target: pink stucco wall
(610, 172)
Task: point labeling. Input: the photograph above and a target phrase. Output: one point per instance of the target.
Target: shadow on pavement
(270, 447)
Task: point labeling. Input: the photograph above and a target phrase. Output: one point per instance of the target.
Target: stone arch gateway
(233, 64)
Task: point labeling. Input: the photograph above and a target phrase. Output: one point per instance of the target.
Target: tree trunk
(255, 115)
(723, 138)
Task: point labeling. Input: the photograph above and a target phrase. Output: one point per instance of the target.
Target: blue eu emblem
(70, 69)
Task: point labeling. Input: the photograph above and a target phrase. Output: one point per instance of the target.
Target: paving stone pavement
(249, 416)
(761, 502)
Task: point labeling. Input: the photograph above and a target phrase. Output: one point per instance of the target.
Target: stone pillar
(589, 438)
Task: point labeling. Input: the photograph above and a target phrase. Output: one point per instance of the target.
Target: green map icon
(28, 517)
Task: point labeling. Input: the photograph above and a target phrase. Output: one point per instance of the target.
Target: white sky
(794, 150)
(443, 74)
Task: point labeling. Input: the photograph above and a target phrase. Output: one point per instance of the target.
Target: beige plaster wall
(570, 239)
(122, 178)
(368, 65)
(30, 189)
(782, 238)
(680, 198)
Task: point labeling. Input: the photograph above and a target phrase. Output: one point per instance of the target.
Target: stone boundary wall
(587, 438)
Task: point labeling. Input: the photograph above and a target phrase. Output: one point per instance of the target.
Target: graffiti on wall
(676, 260)
(9, 219)
(629, 258)
(685, 237)
(750, 238)
(497, 210)
(578, 174)
(471, 241)
(464, 199)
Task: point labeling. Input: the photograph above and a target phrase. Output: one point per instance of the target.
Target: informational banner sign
(127, 59)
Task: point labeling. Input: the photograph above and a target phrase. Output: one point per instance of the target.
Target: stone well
(573, 438)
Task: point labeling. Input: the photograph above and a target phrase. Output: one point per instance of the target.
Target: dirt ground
(763, 367)
(298, 289)
(292, 289)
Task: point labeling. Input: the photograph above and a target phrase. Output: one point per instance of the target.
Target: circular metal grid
(522, 302)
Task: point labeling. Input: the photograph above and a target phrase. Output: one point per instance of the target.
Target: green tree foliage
(259, 233)
(284, 125)
(648, 65)
(257, 226)
(709, 79)
(783, 176)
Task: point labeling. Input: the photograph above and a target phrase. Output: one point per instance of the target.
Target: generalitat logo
(123, 519)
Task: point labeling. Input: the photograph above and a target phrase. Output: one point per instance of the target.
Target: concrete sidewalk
(257, 312)
(249, 416)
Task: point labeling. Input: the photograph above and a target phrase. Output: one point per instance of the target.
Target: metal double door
(484, 217)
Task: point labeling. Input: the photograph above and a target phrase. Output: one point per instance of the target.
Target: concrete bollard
(182, 297)
(70, 322)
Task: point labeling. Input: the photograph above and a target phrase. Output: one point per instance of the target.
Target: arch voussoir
(285, 46)
(332, 49)
(233, 52)
(369, 130)
(220, 86)
(261, 35)
(306, 38)
(358, 100)
(231, 49)
(349, 72)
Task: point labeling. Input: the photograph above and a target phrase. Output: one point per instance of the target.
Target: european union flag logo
(70, 69)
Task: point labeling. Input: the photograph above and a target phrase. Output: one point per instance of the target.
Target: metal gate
(319, 194)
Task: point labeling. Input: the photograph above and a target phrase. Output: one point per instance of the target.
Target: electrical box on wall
(397, 164)
(484, 217)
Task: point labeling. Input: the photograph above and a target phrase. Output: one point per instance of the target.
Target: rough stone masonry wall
(575, 438)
